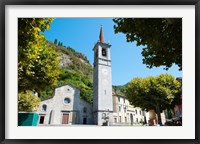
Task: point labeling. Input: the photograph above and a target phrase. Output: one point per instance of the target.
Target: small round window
(66, 100)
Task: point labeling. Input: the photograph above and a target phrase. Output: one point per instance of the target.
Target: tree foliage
(37, 61)
(157, 93)
(55, 41)
(27, 101)
(162, 38)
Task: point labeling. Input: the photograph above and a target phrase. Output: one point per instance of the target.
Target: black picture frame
(4, 3)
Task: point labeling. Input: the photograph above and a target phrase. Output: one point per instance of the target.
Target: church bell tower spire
(101, 36)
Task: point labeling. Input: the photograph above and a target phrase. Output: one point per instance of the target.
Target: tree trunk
(158, 114)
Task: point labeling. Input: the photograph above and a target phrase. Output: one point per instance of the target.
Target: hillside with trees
(75, 69)
(120, 89)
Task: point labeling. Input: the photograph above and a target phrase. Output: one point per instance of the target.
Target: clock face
(105, 71)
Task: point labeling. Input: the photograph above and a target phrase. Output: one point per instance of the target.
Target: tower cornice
(102, 44)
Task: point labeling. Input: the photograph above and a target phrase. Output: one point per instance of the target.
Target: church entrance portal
(65, 118)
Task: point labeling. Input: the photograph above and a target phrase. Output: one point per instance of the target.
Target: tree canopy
(37, 61)
(27, 101)
(157, 93)
(161, 38)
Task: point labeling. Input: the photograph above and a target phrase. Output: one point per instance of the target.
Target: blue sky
(82, 33)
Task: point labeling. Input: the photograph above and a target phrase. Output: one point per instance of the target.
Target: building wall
(124, 113)
(124, 116)
(55, 107)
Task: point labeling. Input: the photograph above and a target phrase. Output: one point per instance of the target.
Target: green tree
(162, 38)
(157, 93)
(59, 43)
(55, 41)
(27, 101)
(37, 61)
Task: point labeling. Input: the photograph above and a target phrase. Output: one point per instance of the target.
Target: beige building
(124, 113)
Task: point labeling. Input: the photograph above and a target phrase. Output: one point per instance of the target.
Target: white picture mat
(187, 131)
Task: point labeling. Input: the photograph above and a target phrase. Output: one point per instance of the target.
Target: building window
(124, 100)
(135, 111)
(119, 108)
(124, 108)
(85, 110)
(120, 119)
(41, 120)
(140, 112)
(125, 120)
(118, 99)
(67, 100)
(44, 107)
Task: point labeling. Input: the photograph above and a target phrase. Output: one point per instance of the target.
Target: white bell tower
(102, 81)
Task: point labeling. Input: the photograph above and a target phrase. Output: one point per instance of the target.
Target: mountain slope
(76, 70)
(120, 89)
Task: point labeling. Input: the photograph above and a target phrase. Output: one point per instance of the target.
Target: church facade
(66, 107)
